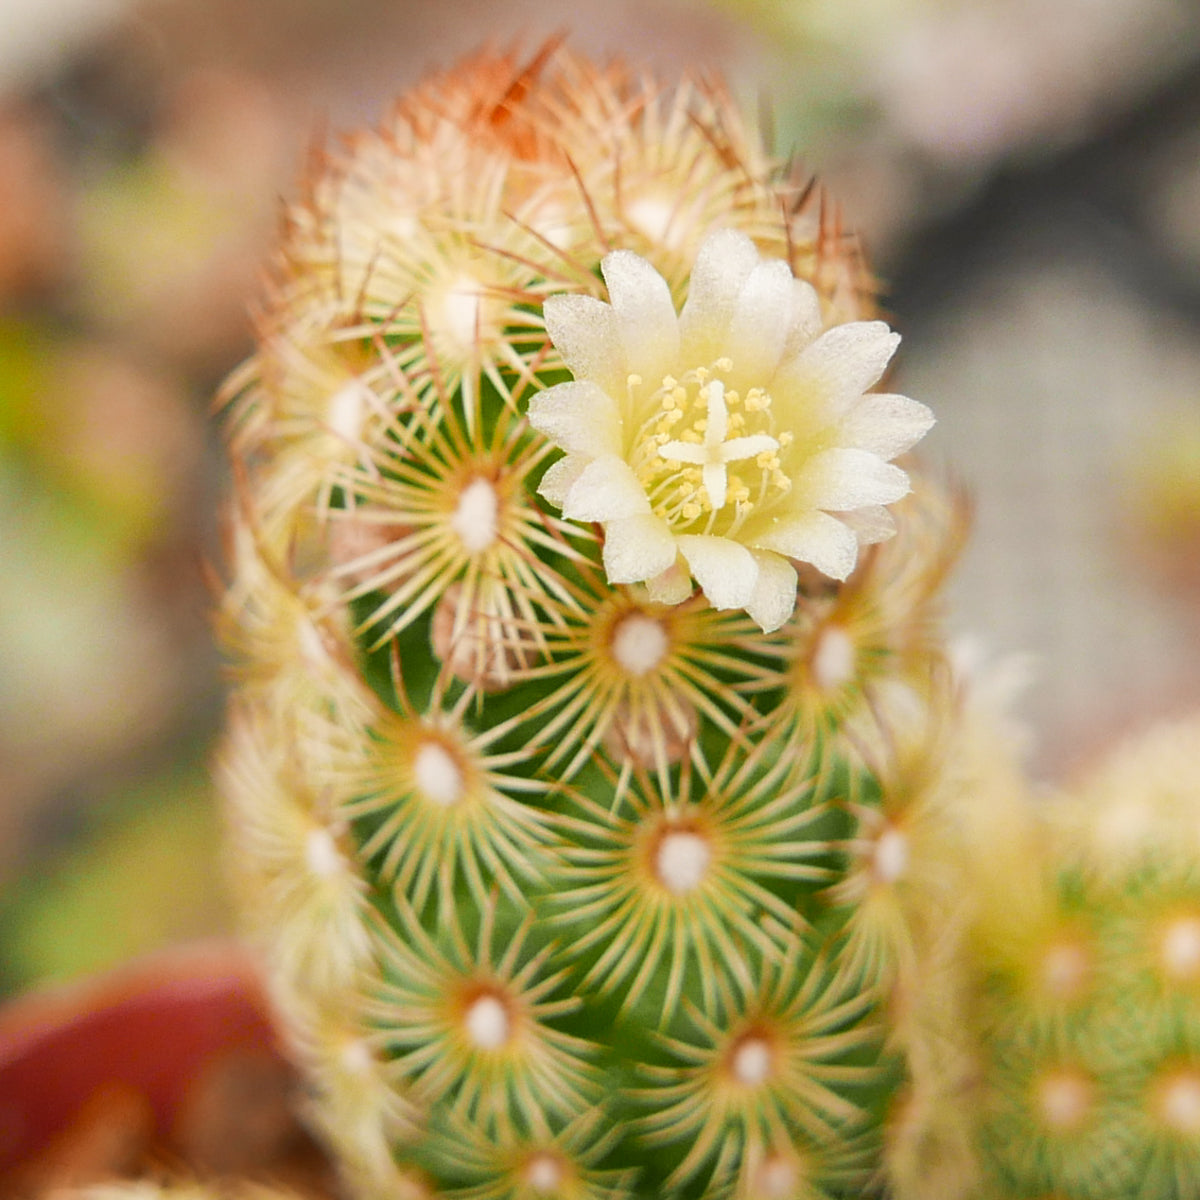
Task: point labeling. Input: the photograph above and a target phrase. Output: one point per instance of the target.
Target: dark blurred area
(1027, 181)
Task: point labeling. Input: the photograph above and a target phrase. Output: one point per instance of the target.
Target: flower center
(707, 455)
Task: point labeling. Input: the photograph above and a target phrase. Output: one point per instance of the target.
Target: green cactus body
(572, 796)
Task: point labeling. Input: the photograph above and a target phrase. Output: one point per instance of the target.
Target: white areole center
(321, 853)
(682, 860)
(461, 310)
(1064, 1100)
(1180, 1104)
(651, 215)
(356, 1057)
(311, 645)
(715, 453)
(752, 1061)
(1065, 969)
(475, 518)
(437, 775)
(639, 643)
(891, 855)
(777, 1178)
(544, 1173)
(1181, 948)
(487, 1023)
(347, 410)
(833, 659)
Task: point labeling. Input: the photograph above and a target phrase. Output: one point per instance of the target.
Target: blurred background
(1026, 178)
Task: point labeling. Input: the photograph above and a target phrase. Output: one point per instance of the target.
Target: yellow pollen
(689, 441)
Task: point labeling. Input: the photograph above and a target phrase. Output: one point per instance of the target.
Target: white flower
(718, 443)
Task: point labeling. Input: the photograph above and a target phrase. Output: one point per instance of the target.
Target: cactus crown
(575, 652)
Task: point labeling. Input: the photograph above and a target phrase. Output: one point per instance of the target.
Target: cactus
(589, 695)
(1081, 1017)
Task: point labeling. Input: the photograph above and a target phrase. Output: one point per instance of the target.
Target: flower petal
(560, 478)
(637, 549)
(841, 364)
(762, 318)
(885, 425)
(723, 264)
(646, 318)
(814, 537)
(672, 586)
(774, 596)
(605, 490)
(806, 317)
(579, 416)
(841, 479)
(586, 333)
(871, 524)
(725, 570)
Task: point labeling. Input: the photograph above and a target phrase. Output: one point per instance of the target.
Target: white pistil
(437, 775)
(715, 454)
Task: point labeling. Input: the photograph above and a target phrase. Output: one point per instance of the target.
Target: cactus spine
(587, 711)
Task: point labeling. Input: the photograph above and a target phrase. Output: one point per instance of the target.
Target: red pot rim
(149, 1026)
